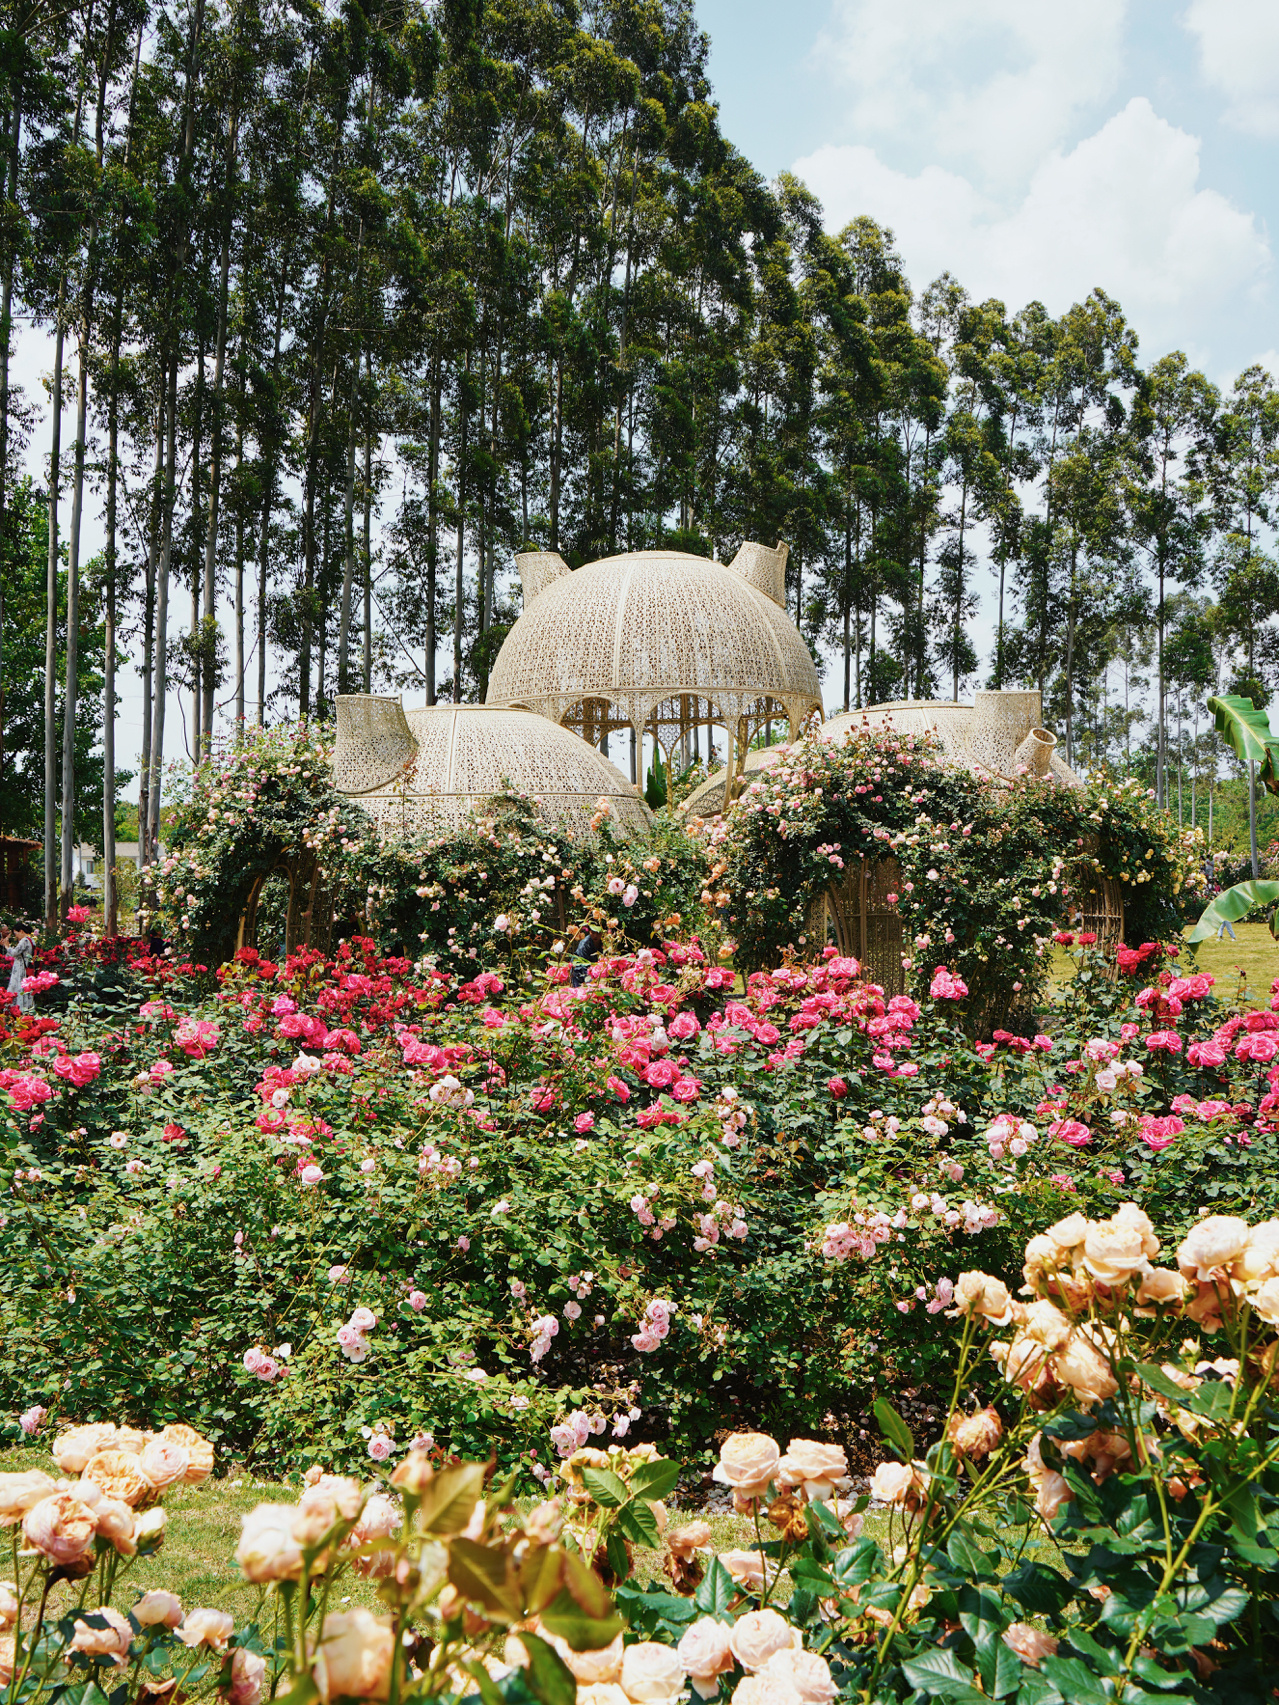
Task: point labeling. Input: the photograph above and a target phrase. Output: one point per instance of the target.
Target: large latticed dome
(428, 768)
(658, 642)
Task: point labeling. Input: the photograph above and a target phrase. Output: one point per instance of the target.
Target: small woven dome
(995, 736)
(657, 641)
(426, 769)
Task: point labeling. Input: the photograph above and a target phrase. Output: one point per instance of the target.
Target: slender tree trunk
(109, 895)
(51, 628)
(368, 552)
(459, 592)
(148, 632)
(432, 526)
(69, 695)
(215, 452)
(6, 324)
(162, 602)
(348, 533)
(239, 576)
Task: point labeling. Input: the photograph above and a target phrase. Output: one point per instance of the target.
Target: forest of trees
(350, 299)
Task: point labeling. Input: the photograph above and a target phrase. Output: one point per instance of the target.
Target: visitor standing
(22, 946)
(587, 950)
(1210, 875)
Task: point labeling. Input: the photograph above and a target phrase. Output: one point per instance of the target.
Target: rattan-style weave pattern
(463, 754)
(992, 737)
(658, 642)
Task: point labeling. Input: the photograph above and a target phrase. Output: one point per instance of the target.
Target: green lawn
(1254, 957)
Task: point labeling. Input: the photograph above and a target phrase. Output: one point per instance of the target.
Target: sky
(1035, 148)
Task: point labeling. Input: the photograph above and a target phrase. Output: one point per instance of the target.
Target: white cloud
(994, 83)
(1122, 210)
(1239, 56)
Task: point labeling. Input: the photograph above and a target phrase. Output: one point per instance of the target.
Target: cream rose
(8, 1604)
(601, 1693)
(8, 1648)
(269, 1549)
(978, 1293)
(1030, 1644)
(807, 1673)
(148, 1535)
(1080, 1365)
(60, 1527)
(821, 1469)
(705, 1653)
(589, 1667)
(900, 1483)
(157, 1607)
(651, 1674)
(248, 1671)
(73, 1449)
(764, 1690)
(355, 1655)
(378, 1519)
(1067, 1236)
(111, 1641)
(414, 1474)
(1212, 1246)
(756, 1636)
(747, 1463)
(205, 1627)
(684, 1542)
(19, 1491)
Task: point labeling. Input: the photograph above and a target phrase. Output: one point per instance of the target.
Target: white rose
(806, 1673)
(758, 1634)
(747, 1463)
(651, 1674)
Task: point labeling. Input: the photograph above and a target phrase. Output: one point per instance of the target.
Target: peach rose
(164, 1461)
(1068, 1235)
(821, 1469)
(199, 1451)
(72, 1449)
(378, 1519)
(1115, 1249)
(120, 1475)
(1212, 1246)
(118, 1524)
(157, 1607)
(8, 1649)
(747, 1463)
(1265, 1300)
(806, 1673)
(355, 1655)
(19, 1491)
(684, 1542)
(746, 1568)
(589, 1668)
(900, 1483)
(248, 1671)
(60, 1527)
(414, 1474)
(1080, 1365)
(764, 1690)
(8, 1604)
(978, 1293)
(754, 1638)
(1030, 1644)
(705, 1653)
(1160, 1286)
(1260, 1257)
(130, 1438)
(205, 1627)
(601, 1693)
(651, 1674)
(269, 1549)
(975, 1435)
(112, 1641)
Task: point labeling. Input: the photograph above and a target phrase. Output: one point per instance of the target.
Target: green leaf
(716, 1592)
(894, 1429)
(1247, 730)
(549, 1677)
(1075, 1681)
(484, 1681)
(585, 1587)
(485, 1575)
(619, 1560)
(1008, 1672)
(583, 1633)
(541, 1576)
(607, 1488)
(937, 1672)
(638, 1521)
(1038, 1589)
(969, 1558)
(449, 1501)
(1235, 903)
(652, 1480)
(1155, 1377)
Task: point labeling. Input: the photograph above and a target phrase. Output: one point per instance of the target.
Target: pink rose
(838, 1088)
(584, 1122)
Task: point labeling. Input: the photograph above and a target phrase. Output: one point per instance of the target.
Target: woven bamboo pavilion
(659, 643)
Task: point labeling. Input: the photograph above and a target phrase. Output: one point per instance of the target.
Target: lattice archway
(855, 914)
(309, 920)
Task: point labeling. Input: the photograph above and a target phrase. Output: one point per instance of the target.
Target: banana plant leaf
(1247, 730)
(1235, 903)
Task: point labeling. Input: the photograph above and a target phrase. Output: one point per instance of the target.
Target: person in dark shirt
(586, 950)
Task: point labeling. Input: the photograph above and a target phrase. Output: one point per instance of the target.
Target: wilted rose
(1030, 1644)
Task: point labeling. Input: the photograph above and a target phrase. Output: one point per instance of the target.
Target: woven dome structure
(658, 642)
(426, 769)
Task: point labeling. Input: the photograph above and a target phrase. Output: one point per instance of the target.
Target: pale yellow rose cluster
(762, 1644)
(119, 1472)
(275, 1539)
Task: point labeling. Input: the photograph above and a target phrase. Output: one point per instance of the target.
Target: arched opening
(856, 916)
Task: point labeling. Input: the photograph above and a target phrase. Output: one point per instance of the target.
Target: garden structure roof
(658, 641)
(426, 769)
